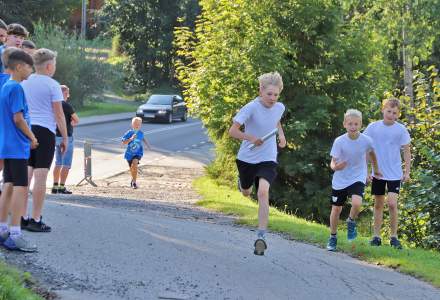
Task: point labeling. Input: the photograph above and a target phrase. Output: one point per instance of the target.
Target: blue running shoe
(3, 237)
(20, 244)
(351, 230)
(332, 242)
(395, 243)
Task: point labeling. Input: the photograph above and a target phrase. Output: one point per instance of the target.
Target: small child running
(133, 138)
(349, 162)
(259, 165)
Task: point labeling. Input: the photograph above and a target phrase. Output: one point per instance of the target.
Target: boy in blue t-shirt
(16, 140)
(133, 139)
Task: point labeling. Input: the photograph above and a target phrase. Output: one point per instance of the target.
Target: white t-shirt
(258, 121)
(41, 91)
(388, 141)
(354, 153)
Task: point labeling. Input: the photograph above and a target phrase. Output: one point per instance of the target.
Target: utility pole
(83, 18)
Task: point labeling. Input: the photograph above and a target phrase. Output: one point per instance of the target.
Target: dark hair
(17, 29)
(3, 25)
(28, 44)
(19, 57)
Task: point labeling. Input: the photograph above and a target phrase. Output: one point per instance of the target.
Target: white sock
(4, 227)
(26, 217)
(15, 231)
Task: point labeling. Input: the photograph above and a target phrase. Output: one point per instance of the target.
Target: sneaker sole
(331, 249)
(36, 230)
(260, 246)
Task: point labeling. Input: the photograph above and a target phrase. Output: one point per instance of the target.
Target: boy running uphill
(133, 138)
(349, 154)
(258, 165)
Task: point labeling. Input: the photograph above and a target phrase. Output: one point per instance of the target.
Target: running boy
(133, 138)
(389, 137)
(259, 117)
(16, 140)
(349, 154)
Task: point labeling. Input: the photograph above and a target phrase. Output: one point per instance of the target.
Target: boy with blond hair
(16, 140)
(3, 32)
(134, 138)
(389, 138)
(349, 153)
(257, 158)
(45, 98)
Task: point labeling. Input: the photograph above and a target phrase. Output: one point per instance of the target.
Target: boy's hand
(282, 141)
(133, 136)
(405, 177)
(369, 178)
(340, 165)
(377, 174)
(256, 141)
(63, 145)
(34, 143)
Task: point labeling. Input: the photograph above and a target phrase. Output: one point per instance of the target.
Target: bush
(82, 72)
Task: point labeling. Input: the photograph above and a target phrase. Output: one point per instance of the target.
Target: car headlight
(139, 110)
(162, 111)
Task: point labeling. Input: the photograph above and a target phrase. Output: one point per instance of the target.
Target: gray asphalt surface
(129, 250)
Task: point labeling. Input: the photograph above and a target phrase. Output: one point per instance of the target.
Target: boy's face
(390, 114)
(352, 124)
(14, 40)
(3, 35)
(136, 125)
(23, 71)
(269, 95)
(51, 67)
(66, 94)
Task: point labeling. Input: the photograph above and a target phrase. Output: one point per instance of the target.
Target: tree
(146, 35)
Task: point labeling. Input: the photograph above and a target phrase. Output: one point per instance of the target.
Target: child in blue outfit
(133, 139)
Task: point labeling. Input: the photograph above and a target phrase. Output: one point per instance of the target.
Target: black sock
(55, 185)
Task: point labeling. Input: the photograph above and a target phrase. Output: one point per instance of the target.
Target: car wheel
(185, 116)
(170, 118)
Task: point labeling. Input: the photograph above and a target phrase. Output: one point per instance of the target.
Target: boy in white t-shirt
(258, 165)
(389, 137)
(349, 162)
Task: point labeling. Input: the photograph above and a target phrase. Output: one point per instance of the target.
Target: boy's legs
(38, 192)
(66, 162)
(392, 206)
(263, 204)
(5, 204)
(356, 204)
(334, 219)
(134, 169)
(378, 213)
(58, 164)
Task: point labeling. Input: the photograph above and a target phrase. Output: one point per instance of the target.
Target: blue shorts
(65, 159)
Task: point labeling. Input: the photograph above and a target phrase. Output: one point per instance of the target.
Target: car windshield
(159, 99)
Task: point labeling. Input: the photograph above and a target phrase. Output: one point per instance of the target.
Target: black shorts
(15, 171)
(42, 156)
(378, 186)
(131, 160)
(251, 173)
(340, 196)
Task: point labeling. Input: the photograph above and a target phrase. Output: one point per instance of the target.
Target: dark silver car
(163, 107)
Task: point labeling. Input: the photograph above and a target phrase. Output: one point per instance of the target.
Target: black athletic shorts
(42, 156)
(378, 186)
(340, 196)
(131, 161)
(251, 173)
(15, 171)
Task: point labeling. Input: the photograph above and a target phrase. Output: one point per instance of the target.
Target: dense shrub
(77, 68)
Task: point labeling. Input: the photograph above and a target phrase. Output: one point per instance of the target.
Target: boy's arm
(23, 126)
(407, 159)
(373, 159)
(128, 140)
(336, 166)
(281, 136)
(235, 132)
(75, 119)
(146, 143)
(61, 123)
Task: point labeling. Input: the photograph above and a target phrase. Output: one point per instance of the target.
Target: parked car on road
(163, 107)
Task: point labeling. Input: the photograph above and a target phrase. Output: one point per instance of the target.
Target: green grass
(13, 285)
(102, 108)
(423, 264)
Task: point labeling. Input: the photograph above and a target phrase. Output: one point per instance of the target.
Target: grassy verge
(102, 108)
(420, 263)
(13, 285)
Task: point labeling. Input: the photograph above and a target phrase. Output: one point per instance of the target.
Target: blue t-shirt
(13, 143)
(4, 78)
(134, 148)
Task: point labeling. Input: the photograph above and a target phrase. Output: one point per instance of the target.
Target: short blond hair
(391, 102)
(5, 55)
(43, 55)
(352, 113)
(272, 78)
(64, 87)
(138, 119)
